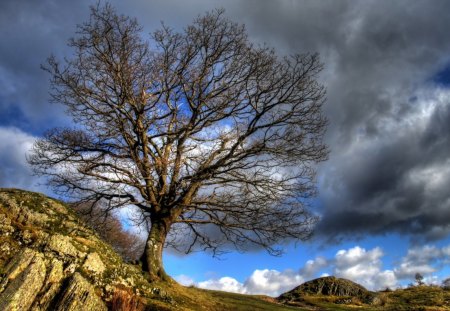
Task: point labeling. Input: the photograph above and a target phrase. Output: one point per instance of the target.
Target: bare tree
(446, 284)
(419, 279)
(207, 134)
(108, 225)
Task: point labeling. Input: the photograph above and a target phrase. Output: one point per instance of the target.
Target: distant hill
(328, 286)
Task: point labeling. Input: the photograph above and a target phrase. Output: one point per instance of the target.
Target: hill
(51, 260)
(347, 290)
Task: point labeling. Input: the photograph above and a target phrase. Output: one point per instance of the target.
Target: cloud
(398, 176)
(14, 169)
(425, 260)
(356, 264)
(313, 266)
(272, 282)
(262, 282)
(30, 32)
(389, 122)
(363, 267)
(184, 280)
(226, 283)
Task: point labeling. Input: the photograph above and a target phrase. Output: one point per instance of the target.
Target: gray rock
(94, 264)
(23, 288)
(62, 245)
(50, 261)
(79, 295)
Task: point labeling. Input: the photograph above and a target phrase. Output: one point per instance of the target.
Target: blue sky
(383, 194)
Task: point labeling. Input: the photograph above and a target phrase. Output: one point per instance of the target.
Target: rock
(51, 287)
(79, 295)
(49, 260)
(19, 263)
(23, 288)
(5, 225)
(27, 237)
(56, 273)
(62, 245)
(377, 301)
(94, 264)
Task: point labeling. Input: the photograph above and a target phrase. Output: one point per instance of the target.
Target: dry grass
(125, 300)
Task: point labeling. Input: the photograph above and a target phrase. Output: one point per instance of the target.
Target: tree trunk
(152, 257)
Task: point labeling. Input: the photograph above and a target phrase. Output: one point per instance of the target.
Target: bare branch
(205, 130)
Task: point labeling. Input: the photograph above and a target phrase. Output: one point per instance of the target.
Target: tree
(214, 139)
(419, 279)
(446, 284)
(109, 227)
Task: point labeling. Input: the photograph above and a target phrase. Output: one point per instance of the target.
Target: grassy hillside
(191, 298)
(426, 298)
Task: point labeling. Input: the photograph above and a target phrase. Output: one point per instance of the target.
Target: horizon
(383, 193)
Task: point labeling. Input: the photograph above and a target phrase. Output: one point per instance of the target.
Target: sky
(383, 197)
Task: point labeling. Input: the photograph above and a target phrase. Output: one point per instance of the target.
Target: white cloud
(313, 266)
(184, 280)
(363, 267)
(272, 282)
(357, 264)
(385, 279)
(226, 283)
(421, 260)
(14, 169)
(262, 282)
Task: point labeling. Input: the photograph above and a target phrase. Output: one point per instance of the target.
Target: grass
(192, 298)
(426, 298)
(172, 296)
(420, 298)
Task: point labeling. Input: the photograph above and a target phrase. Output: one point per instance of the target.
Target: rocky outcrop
(79, 295)
(328, 286)
(24, 280)
(49, 260)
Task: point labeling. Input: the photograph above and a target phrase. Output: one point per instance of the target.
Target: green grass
(420, 298)
(230, 301)
(426, 298)
(192, 298)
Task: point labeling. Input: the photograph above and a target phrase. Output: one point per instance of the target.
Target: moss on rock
(49, 260)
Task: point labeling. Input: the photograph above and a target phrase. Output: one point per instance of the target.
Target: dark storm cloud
(389, 130)
(389, 126)
(395, 181)
(29, 32)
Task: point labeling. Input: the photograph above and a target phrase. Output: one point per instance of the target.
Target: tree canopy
(208, 135)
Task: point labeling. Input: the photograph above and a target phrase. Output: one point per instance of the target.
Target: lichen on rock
(94, 264)
(23, 288)
(63, 246)
(50, 260)
(79, 295)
